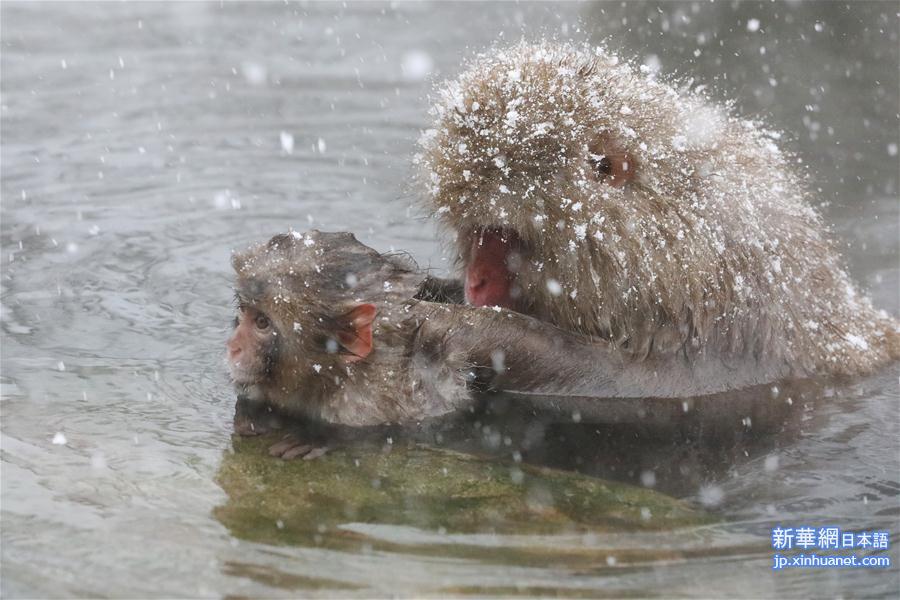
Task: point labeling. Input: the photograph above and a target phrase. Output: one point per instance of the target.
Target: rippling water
(142, 142)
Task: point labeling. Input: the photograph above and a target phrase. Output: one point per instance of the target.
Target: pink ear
(357, 337)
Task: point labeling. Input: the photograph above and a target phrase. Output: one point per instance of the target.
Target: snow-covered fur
(304, 283)
(712, 246)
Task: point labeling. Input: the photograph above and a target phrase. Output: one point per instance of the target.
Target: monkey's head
(306, 306)
(581, 189)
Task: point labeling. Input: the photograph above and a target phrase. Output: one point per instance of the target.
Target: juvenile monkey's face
(301, 319)
(252, 350)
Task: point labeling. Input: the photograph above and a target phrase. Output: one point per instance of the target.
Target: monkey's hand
(254, 419)
(291, 447)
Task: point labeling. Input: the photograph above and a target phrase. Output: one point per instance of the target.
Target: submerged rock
(338, 498)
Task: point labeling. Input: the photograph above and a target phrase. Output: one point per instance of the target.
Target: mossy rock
(312, 502)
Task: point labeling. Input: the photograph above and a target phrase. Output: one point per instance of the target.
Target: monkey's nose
(485, 287)
(478, 284)
(234, 353)
(477, 291)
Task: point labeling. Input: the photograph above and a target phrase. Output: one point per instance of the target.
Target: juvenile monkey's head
(583, 190)
(306, 304)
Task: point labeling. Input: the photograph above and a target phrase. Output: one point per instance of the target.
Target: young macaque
(330, 330)
(592, 195)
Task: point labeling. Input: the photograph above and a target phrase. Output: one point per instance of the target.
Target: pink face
(499, 263)
(491, 269)
(251, 346)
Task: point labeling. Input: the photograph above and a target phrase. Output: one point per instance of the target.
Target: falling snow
(416, 65)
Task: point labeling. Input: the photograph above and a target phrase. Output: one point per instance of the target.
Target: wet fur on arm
(534, 357)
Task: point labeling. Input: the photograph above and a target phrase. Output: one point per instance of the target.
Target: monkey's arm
(525, 355)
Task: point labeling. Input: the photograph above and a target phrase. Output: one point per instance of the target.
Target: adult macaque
(331, 330)
(589, 194)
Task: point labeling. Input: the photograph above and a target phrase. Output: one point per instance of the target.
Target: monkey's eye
(612, 168)
(603, 166)
(262, 322)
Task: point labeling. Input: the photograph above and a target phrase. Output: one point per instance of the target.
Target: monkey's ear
(355, 334)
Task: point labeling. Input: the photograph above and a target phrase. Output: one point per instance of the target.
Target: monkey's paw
(291, 447)
(251, 419)
(245, 426)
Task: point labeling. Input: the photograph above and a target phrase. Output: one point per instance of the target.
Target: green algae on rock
(313, 502)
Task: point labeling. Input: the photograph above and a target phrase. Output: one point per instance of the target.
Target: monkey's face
(524, 259)
(253, 347)
(522, 163)
(300, 324)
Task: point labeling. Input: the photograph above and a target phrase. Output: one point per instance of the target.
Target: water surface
(142, 142)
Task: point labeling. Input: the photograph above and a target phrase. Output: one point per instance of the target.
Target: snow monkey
(312, 308)
(332, 331)
(587, 193)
